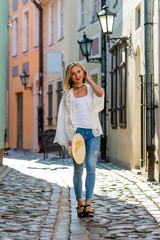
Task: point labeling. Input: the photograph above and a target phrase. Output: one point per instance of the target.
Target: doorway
(20, 121)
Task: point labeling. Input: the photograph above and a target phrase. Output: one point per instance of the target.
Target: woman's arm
(98, 90)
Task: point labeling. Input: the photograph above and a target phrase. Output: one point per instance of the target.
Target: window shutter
(36, 28)
(25, 31)
(15, 37)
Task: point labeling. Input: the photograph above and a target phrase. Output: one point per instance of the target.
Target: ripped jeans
(92, 151)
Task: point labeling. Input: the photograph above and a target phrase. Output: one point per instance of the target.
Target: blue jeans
(92, 151)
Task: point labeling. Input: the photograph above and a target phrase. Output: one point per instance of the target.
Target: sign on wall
(54, 62)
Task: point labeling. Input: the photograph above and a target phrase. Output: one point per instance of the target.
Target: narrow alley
(38, 202)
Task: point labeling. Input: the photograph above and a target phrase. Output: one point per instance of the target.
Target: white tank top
(82, 112)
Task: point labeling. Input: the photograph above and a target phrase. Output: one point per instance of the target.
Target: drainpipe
(103, 84)
(148, 26)
(40, 107)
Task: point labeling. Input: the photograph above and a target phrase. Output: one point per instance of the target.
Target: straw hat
(78, 148)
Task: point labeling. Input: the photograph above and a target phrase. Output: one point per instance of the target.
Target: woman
(78, 113)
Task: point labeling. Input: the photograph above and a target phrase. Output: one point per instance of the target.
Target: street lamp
(106, 20)
(24, 79)
(86, 46)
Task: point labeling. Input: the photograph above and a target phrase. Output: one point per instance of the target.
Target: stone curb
(4, 171)
(77, 226)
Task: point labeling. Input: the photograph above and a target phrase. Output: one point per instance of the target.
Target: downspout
(103, 84)
(148, 26)
(40, 108)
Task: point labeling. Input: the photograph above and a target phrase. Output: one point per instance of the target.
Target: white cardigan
(66, 125)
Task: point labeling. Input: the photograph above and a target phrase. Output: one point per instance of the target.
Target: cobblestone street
(38, 202)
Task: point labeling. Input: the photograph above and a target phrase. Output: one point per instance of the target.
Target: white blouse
(82, 113)
(66, 125)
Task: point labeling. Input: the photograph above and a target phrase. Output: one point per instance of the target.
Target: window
(14, 5)
(15, 37)
(59, 93)
(94, 78)
(96, 8)
(50, 104)
(25, 31)
(82, 23)
(95, 47)
(61, 19)
(138, 17)
(122, 85)
(36, 27)
(118, 85)
(51, 23)
(114, 88)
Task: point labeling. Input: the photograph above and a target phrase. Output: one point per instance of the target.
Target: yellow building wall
(125, 144)
(15, 85)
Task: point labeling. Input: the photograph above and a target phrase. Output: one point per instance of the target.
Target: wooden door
(19, 121)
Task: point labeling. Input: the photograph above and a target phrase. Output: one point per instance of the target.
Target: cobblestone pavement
(37, 201)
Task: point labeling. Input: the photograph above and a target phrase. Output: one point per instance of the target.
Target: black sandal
(88, 213)
(80, 214)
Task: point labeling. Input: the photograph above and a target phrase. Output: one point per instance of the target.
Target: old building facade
(133, 87)
(23, 57)
(64, 23)
(132, 78)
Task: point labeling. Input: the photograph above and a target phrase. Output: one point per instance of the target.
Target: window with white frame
(51, 30)
(96, 8)
(36, 27)
(83, 13)
(15, 37)
(25, 31)
(61, 19)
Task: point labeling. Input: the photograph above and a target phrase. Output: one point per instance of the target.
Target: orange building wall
(15, 85)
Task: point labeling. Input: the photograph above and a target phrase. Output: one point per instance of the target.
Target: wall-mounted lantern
(106, 20)
(24, 79)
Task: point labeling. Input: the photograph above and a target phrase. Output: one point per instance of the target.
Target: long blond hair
(67, 80)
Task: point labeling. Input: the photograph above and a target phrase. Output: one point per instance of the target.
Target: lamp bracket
(29, 88)
(122, 39)
(95, 60)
